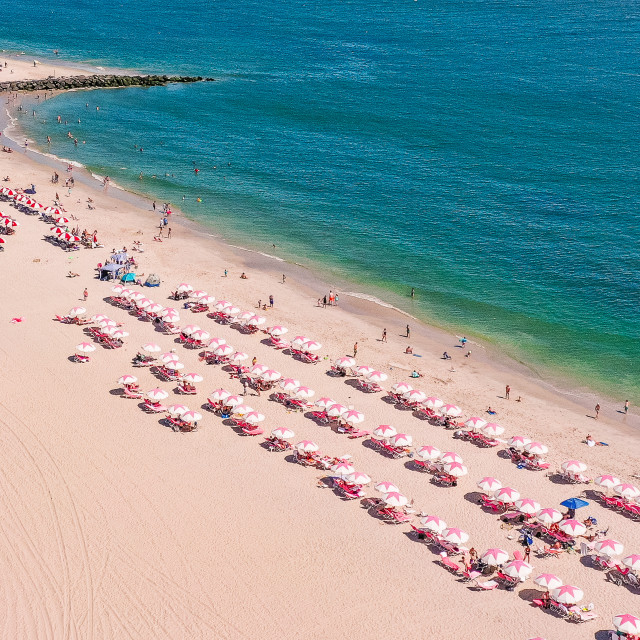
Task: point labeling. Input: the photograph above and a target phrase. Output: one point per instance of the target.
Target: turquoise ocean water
(483, 152)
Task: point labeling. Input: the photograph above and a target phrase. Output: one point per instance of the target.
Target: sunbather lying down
(592, 443)
(71, 274)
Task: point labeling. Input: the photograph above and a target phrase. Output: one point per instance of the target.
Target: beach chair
(536, 465)
(470, 575)
(548, 552)
(509, 582)
(448, 564)
(603, 562)
(445, 480)
(559, 609)
(153, 407)
(275, 444)
(251, 431)
(79, 358)
(131, 393)
(187, 391)
(488, 585)
(63, 319)
(357, 433)
(576, 614)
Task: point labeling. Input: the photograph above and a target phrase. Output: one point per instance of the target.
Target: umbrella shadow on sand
(117, 392)
(529, 595)
(558, 478)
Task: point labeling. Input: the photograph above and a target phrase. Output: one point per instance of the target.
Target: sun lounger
(154, 407)
(445, 480)
(576, 614)
(128, 393)
(189, 391)
(469, 575)
(274, 444)
(548, 552)
(357, 433)
(63, 319)
(80, 358)
(489, 585)
(251, 431)
(448, 564)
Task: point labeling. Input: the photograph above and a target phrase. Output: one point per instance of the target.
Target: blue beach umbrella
(574, 503)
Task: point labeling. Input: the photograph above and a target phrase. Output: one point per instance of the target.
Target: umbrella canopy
(85, 347)
(395, 499)
(117, 289)
(192, 377)
(401, 440)
(456, 469)
(353, 417)
(256, 321)
(184, 287)
(257, 368)
(308, 446)
(277, 330)
(206, 300)
(574, 466)
(627, 623)
(219, 395)
(289, 384)
(158, 394)
(450, 456)
(271, 375)
(311, 345)
(495, 557)
(175, 366)
(232, 401)
(200, 335)
(455, 535)
(99, 317)
(377, 376)
(151, 347)
(450, 410)
(489, 484)
(433, 403)
(346, 362)
(527, 505)
(191, 416)
(298, 340)
(136, 295)
(221, 305)
(506, 494)
(518, 569)
(548, 581)
(572, 527)
(253, 417)
(118, 334)
(283, 433)
(385, 431)
(609, 547)
(76, 311)
(433, 523)
(223, 350)
(574, 503)
(189, 329)
(177, 409)
(336, 410)
(536, 448)
(632, 561)
(127, 379)
(627, 490)
(386, 487)
(428, 452)
(359, 478)
(324, 402)
(198, 293)
(567, 594)
(492, 429)
(415, 395)
(238, 356)
(107, 322)
(607, 481)
(364, 370)
(241, 409)
(169, 357)
(475, 423)
(342, 469)
(304, 392)
(244, 315)
(401, 387)
(519, 442)
(170, 315)
(548, 516)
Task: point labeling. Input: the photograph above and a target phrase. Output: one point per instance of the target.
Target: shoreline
(368, 306)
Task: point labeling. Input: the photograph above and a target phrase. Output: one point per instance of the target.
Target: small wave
(266, 255)
(380, 303)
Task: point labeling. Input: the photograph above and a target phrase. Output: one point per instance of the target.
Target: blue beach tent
(574, 503)
(128, 277)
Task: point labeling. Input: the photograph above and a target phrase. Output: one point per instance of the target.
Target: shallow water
(481, 152)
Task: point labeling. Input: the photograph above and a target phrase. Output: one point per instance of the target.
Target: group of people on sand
(331, 300)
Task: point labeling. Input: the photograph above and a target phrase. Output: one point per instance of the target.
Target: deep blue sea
(483, 152)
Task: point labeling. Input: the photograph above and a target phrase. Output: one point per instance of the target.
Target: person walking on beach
(384, 335)
(408, 331)
(271, 301)
(226, 273)
(284, 278)
(507, 391)
(597, 410)
(169, 232)
(245, 386)
(324, 302)
(85, 294)
(154, 205)
(355, 349)
(626, 407)
(413, 292)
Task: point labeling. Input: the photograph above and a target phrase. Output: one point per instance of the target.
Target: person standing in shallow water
(597, 410)
(626, 407)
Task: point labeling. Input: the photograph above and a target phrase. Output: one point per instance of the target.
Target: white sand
(113, 526)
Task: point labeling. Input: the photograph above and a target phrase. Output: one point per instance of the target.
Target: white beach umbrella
(232, 311)
(364, 370)
(572, 527)
(626, 623)
(177, 409)
(221, 305)
(143, 303)
(311, 345)
(607, 481)
(336, 410)
(191, 416)
(609, 547)
(171, 315)
(256, 321)
(254, 417)
(519, 442)
(184, 287)
(118, 334)
(277, 330)
(377, 377)
(518, 569)
(189, 329)
(428, 453)
(238, 356)
(324, 402)
(127, 379)
(192, 377)
(169, 357)
(283, 433)
(386, 487)
(198, 293)
(304, 392)
(433, 403)
(632, 561)
(107, 323)
(455, 535)
(99, 317)
(85, 347)
(401, 440)
(117, 289)
(450, 410)
(489, 484)
(206, 300)
(223, 350)
(155, 308)
(626, 490)
(175, 366)
(158, 394)
(415, 395)
(353, 417)
(219, 395)
(456, 469)
(298, 340)
(76, 311)
(433, 523)
(359, 478)
(536, 448)
(136, 295)
(384, 431)
(527, 505)
(548, 516)
(243, 315)
(214, 343)
(258, 369)
(395, 499)
(475, 423)
(507, 495)
(168, 311)
(242, 409)
(548, 581)
(307, 446)
(567, 594)
(401, 387)
(289, 384)
(151, 347)
(451, 456)
(271, 375)
(233, 401)
(495, 557)
(574, 466)
(346, 362)
(492, 430)
(342, 469)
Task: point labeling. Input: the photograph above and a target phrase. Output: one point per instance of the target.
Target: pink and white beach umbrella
(386, 487)
(336, 410)
(290, 384)
(548, 581)
(222, 305)
(401, 387)
(456, 469)
(256, 321)
(107, 323)
(342, 469)
(177, 409)
(214, 343)
(359, 478)
(243, 315)
(527, 505)
(353, 417)
(192, 377)
(451, 456)
(627, 623)
(415, 395)
(574, 466)
(223, 350)
(492, 429)
(206, 300)
(158, 394)
(242, 409)
(304, 392)
(475, 423)
(219, 395)
(283, 433)
(117, 289)
(127, 379)
(495, 557)
(171, 315)
(609, 547)
(548, 516)
(433, 523)
(489, 484)
(519, 442)
(258, 369)
(632, 561)
(567, 594)
(151, 347)
(136, 295)
(76, 311)
(254, 417)
(506, 495)
(99, 317)
(346, 362)
(572, 527)
(298, 340)
(385, 431)
(201, 335)
(311, 345)
(168, 311)
(536, 448)
(232, 401)
(169, 357)
(401, 440)
(143, 303)
(518, 569)
(395, 499)
(626, 490)
(377, 377)
(308, 446)
(118, 334)
(191, 416)
(450, 410)
(184, 287)
(198, 293)
(238, 356)
(324, 402)
(85, 347)
(174, 366)
(428, 453)
(433, 403)
(271, 375)
(607, 481)
(364, 370)
(189, 329)
(455, 535)
(277, 330)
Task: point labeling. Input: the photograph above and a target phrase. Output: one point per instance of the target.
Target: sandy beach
(115, 526)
